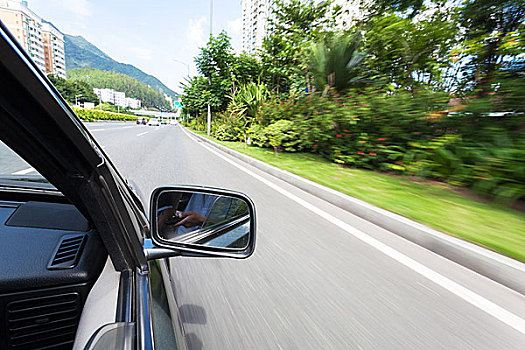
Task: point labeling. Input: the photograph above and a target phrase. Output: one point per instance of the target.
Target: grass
(490, 225)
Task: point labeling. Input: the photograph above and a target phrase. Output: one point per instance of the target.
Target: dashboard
(50, 257)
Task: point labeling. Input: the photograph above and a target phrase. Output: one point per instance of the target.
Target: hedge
(93, 114)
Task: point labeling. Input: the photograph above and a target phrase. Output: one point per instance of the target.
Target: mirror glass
(204, 219)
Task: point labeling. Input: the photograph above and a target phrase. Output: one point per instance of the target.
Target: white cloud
(195, 32)
(234, 27)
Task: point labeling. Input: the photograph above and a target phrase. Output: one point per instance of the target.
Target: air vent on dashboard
(48, 322)
(68, 252)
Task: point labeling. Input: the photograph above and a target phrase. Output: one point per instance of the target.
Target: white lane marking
(25, 171)
(466, 294)
(143, 133)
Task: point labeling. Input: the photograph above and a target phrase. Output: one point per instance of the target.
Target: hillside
(120, 82)
(80, 53)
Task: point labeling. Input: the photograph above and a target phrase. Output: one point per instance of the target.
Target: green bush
(93, 115)
(257, 135)
(283, 135)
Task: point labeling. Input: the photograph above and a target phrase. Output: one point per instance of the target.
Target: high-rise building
(255, 15)
(54, 50)
(26, 26)
(42, 41)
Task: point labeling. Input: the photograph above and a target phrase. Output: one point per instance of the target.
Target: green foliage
(82, 54)
(335, 62)
(90, 115)
(214, 62)
(284, 135)
(296, 25)
(69, 89)
(248, 98)
(121, 82)
(257, 135)
(407, 53)
(494, 36)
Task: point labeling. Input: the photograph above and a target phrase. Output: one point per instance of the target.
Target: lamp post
(76, 99)
(208, 129)
(184, 63)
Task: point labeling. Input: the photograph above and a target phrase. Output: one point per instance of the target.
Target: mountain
(80, 53)
(132, 87)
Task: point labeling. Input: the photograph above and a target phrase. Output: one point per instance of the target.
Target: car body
(173, 122)
(164, 121)
(83, 267)
(153, 122)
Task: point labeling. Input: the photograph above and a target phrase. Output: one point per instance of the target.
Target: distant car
(164, 121)
(174, 122)
(154, 122)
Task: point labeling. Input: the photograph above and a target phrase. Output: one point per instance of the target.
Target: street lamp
(184, 63)
(76, 99)
(208, 129)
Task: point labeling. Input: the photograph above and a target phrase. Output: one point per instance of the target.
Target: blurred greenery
(433, 89)
(435, 204)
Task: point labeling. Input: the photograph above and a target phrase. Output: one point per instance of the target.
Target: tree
(148, 96)
(407, 51)
(69, 89)
(334, 63)
(296, 25)
(494, 33)
(197, 95)
(215, 62)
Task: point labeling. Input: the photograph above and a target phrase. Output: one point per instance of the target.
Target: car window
(16, 171)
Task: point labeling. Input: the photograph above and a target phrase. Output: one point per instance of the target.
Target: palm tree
(334, 63)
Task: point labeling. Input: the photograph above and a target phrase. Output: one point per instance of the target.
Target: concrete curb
(499, 268)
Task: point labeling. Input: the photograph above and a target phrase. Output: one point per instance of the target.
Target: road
(321, 278)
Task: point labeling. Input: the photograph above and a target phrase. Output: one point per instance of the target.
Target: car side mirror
(203, 221)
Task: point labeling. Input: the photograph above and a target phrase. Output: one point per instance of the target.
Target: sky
(149, 34)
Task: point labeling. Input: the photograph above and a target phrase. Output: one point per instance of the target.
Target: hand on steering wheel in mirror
(191, 219)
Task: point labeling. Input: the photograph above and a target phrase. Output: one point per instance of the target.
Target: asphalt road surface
(321, 278)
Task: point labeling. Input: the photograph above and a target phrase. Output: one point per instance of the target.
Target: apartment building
(26, 27)
(118, 98)
(54, 54)
(256, 13)
(42, 41)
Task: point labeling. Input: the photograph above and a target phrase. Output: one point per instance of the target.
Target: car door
(57, 144)
(39, 126)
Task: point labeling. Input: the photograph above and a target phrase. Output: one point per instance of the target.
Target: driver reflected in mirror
(179, 213)
(203, 218)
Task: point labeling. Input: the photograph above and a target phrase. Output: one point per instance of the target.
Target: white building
(26, 27)
(133, 103)
(54, 50)
(255, 15)
(117, 98)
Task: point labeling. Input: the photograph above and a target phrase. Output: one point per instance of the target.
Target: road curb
(499, 268)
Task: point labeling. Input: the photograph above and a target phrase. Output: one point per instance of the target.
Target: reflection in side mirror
(207, 219)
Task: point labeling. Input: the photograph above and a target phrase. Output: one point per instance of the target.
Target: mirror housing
(201, 221)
